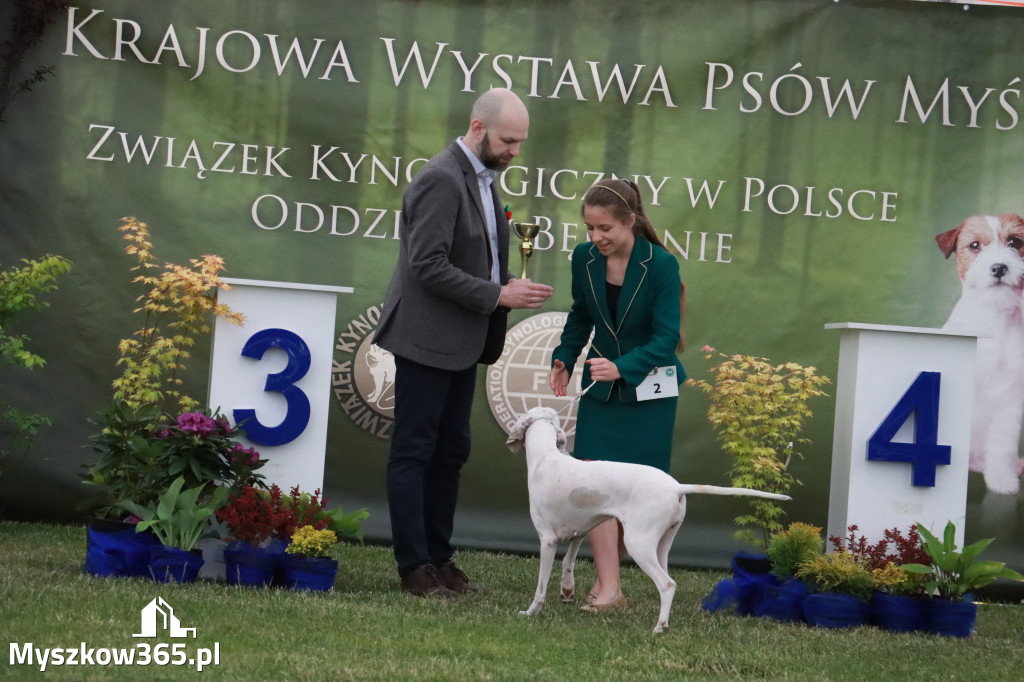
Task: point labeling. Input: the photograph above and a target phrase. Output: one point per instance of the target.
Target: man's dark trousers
(429, 445)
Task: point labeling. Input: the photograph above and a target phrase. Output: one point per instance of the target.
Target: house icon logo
(159, 614)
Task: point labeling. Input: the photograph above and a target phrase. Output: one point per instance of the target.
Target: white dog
(569, 497)
(989, 252)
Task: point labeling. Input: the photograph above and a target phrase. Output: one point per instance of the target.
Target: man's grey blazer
(441, 295)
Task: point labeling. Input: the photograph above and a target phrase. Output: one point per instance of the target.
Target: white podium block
(273, 375)
(902, 429)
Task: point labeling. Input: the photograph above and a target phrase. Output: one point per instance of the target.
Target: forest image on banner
(798, 157)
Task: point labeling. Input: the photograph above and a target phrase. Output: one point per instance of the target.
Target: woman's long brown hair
(621, 198)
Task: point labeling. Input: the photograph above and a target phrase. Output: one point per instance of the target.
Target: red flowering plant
(254, 516)
(884, 558)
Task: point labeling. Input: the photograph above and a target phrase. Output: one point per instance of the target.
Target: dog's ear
(561, 440)
(515, 445)
(947, 240)
(517, 435)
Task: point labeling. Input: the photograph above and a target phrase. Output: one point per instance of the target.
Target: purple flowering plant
(203, 448)
(142, 451)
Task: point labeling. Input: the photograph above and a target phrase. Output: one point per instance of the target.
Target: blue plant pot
(950, 618)
(782, 601)
(897, 612)
(750, 573)
(174, 565)
(835, 610)
(309, 573)
(114, 549)
(252, 565)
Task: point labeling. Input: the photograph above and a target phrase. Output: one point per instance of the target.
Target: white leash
(582, 393)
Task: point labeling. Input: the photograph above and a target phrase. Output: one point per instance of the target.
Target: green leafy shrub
(20, 288)
(955, 573)
(758, 410)
(180, 517)
(791, 547)
(837, 572)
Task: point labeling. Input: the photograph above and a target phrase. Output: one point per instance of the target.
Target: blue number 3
(924, 454)
(297, 417)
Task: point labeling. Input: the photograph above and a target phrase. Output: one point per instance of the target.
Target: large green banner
(799, 157)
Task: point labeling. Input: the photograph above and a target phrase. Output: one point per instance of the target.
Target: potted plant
(262, 522)
(153, 432)
(141, 451)
(758, 409)
(253, 518)
(951, 577)
(782, 599)
(179, 518)
(839, 590)
(896, 601)
(306, 564)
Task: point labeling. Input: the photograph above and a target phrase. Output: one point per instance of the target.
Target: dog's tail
(693, 489)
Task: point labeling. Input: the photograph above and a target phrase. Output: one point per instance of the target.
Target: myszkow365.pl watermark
(157, 616)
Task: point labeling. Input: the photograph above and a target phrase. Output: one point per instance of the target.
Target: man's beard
(491, 160)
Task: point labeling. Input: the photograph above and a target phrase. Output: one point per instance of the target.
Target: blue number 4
(924, 454)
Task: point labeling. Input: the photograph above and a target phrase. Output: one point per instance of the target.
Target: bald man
(445, 312)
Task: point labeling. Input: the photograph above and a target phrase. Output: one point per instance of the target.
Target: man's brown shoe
(454, 579)
(424, 582)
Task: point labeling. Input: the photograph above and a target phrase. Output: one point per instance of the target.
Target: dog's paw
(1002, 483)
(660, 628)
(568, 595)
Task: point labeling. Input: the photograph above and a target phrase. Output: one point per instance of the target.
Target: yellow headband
(613, 192)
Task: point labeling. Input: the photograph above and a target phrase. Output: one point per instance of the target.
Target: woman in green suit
(626, 289)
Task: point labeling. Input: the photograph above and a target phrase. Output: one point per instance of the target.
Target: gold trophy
(526, 232)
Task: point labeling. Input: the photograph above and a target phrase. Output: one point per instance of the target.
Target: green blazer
(646, 331)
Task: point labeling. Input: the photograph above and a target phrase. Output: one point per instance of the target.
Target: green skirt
(639, 432)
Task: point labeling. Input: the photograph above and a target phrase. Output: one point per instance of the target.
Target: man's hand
(522, 293)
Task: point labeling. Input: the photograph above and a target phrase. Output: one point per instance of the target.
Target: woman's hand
(603, 369)
(558, 379)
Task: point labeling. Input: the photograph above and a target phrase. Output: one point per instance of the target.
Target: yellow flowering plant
(307, 541)
(758, 409)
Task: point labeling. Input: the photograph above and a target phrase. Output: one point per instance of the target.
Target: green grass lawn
(366, 629)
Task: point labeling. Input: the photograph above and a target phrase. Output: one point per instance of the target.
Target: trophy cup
(526, 232)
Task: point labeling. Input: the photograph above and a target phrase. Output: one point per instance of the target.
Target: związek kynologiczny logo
(363, 374)
(157, 617)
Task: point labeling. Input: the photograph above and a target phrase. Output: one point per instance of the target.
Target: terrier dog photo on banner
(990, 261)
